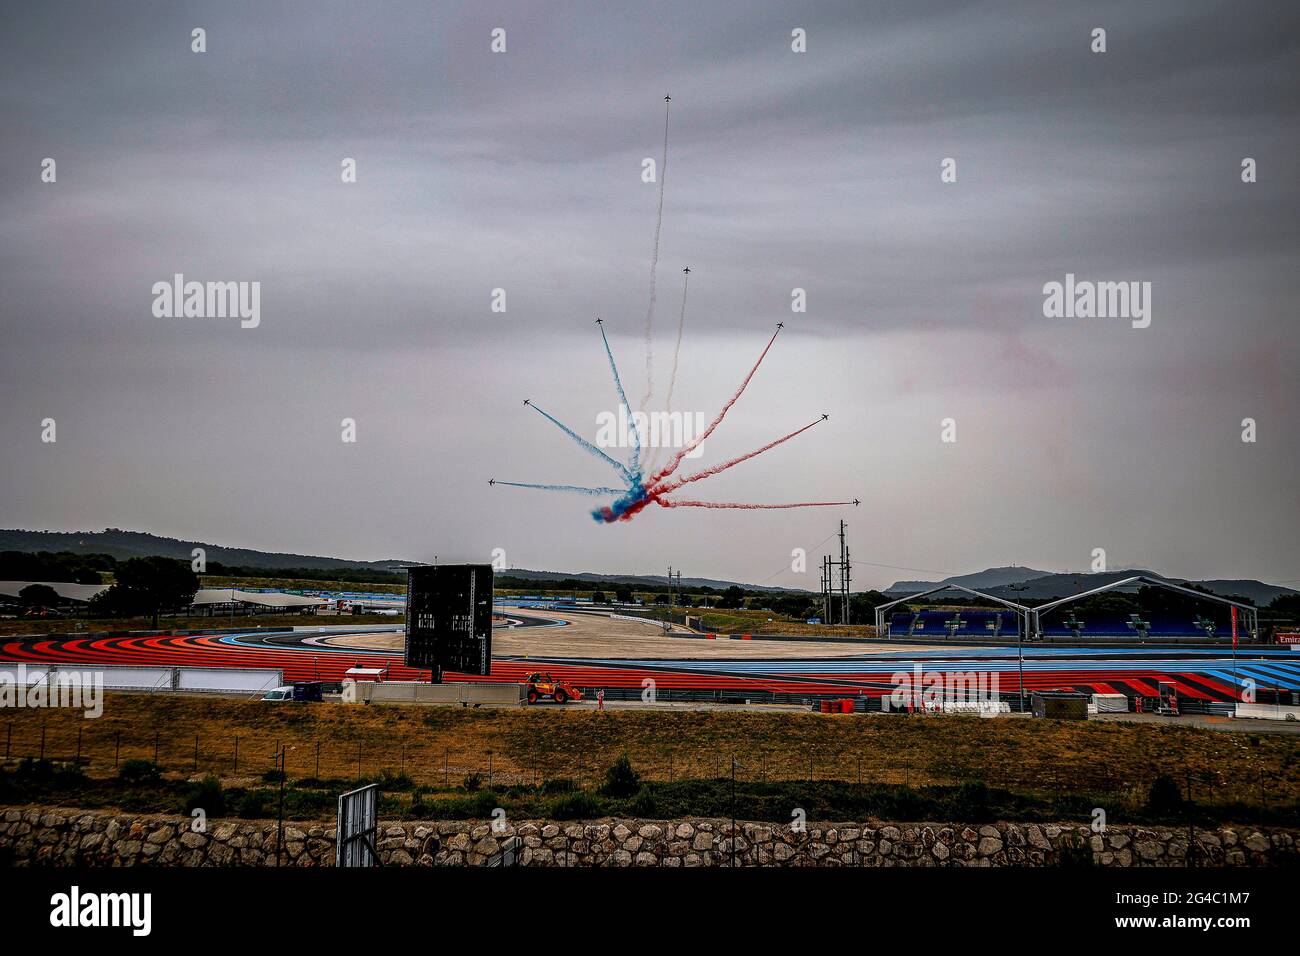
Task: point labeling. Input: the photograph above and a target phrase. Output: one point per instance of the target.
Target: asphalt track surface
(1205, 674)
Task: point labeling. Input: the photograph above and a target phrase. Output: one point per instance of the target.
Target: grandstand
(1058, 620)
(1136, 626)
(973, 623)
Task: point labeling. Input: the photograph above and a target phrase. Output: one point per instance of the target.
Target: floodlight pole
(1236, 690)
(1021, 621)
(844, 576)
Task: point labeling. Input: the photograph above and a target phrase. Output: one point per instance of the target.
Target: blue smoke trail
(622, 397)
(635, 497)
(585, 444)
(577, 489)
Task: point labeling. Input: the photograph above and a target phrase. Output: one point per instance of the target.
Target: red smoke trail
(666, 487)
(676, 460)
(670, 503)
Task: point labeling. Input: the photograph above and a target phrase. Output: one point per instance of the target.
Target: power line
(785, 569)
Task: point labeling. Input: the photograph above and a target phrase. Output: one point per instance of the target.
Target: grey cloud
(521, 171)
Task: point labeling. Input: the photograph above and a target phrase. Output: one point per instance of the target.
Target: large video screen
(449, 618)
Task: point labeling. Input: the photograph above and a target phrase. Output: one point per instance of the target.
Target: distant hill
(1042, 586)
(980, 580)
(132, 544)
(656, 580)
(135, 544)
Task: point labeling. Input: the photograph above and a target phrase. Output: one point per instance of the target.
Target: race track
(1204, 674)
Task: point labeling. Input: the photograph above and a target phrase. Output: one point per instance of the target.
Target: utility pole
(826, 589)
(844, 576)
(668, 612)
(1022, 624)
(829, 588)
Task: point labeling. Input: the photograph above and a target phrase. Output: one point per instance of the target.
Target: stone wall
(56, 837)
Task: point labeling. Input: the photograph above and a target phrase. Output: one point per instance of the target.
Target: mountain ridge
(996, 581)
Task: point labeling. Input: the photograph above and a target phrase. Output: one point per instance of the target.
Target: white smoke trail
(681, 324)
(654, 269)
(672, 378)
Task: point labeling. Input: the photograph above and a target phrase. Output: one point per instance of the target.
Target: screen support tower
(831, 613)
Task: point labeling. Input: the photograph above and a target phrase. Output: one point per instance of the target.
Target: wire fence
(101, 752)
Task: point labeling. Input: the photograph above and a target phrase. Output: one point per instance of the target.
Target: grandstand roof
(880, 608)
(1143, 579)
(260, 598)
(81, 593)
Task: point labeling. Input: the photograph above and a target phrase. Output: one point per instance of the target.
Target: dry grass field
(442, 745)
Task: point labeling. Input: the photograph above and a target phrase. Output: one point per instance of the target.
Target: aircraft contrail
(666, 488)
(622, 397)
(577, 489)
(677, 349)
(582, 441)
(640, 492)
(653, 457)
(654, 269)
(695, 442)
(670, 503)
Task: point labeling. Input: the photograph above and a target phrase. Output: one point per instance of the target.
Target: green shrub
(307, 804)
(644, 804)
(578, 805)
(251, 805)
(483, 805)
(971, 802)
(560, 785)
(35, 771)
(1164, 797)
(136, 772)
(419, 807)
(621, 780)
(206, 795)
(473, 781)
(389, 780)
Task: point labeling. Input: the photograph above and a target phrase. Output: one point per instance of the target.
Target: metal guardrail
(508, 855)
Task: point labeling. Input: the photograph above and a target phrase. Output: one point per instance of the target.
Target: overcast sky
(522, 170)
